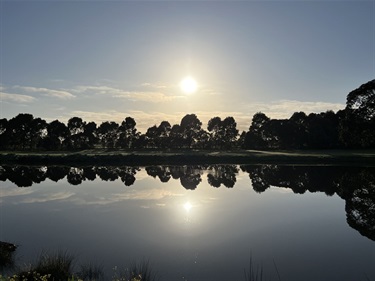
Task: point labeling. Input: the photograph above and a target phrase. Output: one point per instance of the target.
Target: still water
(197, 222)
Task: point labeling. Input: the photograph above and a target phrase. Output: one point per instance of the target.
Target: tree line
(351, 127)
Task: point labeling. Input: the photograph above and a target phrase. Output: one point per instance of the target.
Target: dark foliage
(352, 127)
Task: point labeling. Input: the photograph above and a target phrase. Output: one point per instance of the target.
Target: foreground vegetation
(60, 267)
(351, 127)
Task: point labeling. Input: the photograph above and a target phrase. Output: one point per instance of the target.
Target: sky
(106, 60)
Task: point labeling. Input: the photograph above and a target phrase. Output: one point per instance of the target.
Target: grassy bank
(149, 157)
(62, 266)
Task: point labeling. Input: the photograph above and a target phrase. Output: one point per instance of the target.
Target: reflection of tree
(190, 176)
(107, 173)
(57, 173)
(358, 190)
(222, 174)
(75, 176)
(162, 172)
(127, 174)
(23, 176)
(3, 174)
(356, 185)
(256, 174)
(299, 178)
(360, 211)
(89, 173)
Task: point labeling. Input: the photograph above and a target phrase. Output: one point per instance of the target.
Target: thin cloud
(16, 98)
(276, 110)
(60, 94)
(154, 97)
(285, 108)
(49, 197)
(158, 85)
(144, 96)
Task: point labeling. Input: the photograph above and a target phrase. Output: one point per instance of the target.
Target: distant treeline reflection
(356, 185)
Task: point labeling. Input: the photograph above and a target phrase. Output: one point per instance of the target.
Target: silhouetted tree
(175, 137)
(25, 131)
(76, 138)
(89, 135)
(361, 101)
(57, 133)
(108, 134)
(323, 130)
(162, 132)
(223, 133)
(255, 138)
(299, 135)
(127, 133)
(214, 126)
(151, 136)
(357, 125)
(4, 134)
(190, 130)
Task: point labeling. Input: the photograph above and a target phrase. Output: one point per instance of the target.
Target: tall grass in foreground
(256, 274)
(140, 271)
(90, 271)
(253, 274)
(56, 266)
(59, 266)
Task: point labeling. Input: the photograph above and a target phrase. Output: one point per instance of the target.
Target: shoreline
(188, 157)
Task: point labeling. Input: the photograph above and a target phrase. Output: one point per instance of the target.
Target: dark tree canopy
(361, 101)
(352, 127)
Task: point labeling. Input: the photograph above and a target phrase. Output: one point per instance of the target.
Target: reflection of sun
(188, 85)
(187, 206)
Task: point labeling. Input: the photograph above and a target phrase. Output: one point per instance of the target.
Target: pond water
(197, 222)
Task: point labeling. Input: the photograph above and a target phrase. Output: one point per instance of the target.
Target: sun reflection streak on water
(188, 206)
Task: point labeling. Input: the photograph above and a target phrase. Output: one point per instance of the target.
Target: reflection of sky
(112, 224)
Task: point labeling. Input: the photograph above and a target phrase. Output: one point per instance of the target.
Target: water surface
(197, 222)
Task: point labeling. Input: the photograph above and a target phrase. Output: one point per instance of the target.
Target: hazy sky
(106, 60)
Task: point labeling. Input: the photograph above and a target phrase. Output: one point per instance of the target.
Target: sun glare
(188, 85)
(187, 206)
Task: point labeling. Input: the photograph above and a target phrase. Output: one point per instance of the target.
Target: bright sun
(188, 85)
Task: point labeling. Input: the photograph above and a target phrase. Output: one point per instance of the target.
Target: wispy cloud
(157, 86)
(60, 94)
(154, 97)
(151, 96)
(143, 119)
(16, 98)
(277, 109)
(285, 108)
(48, 197)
